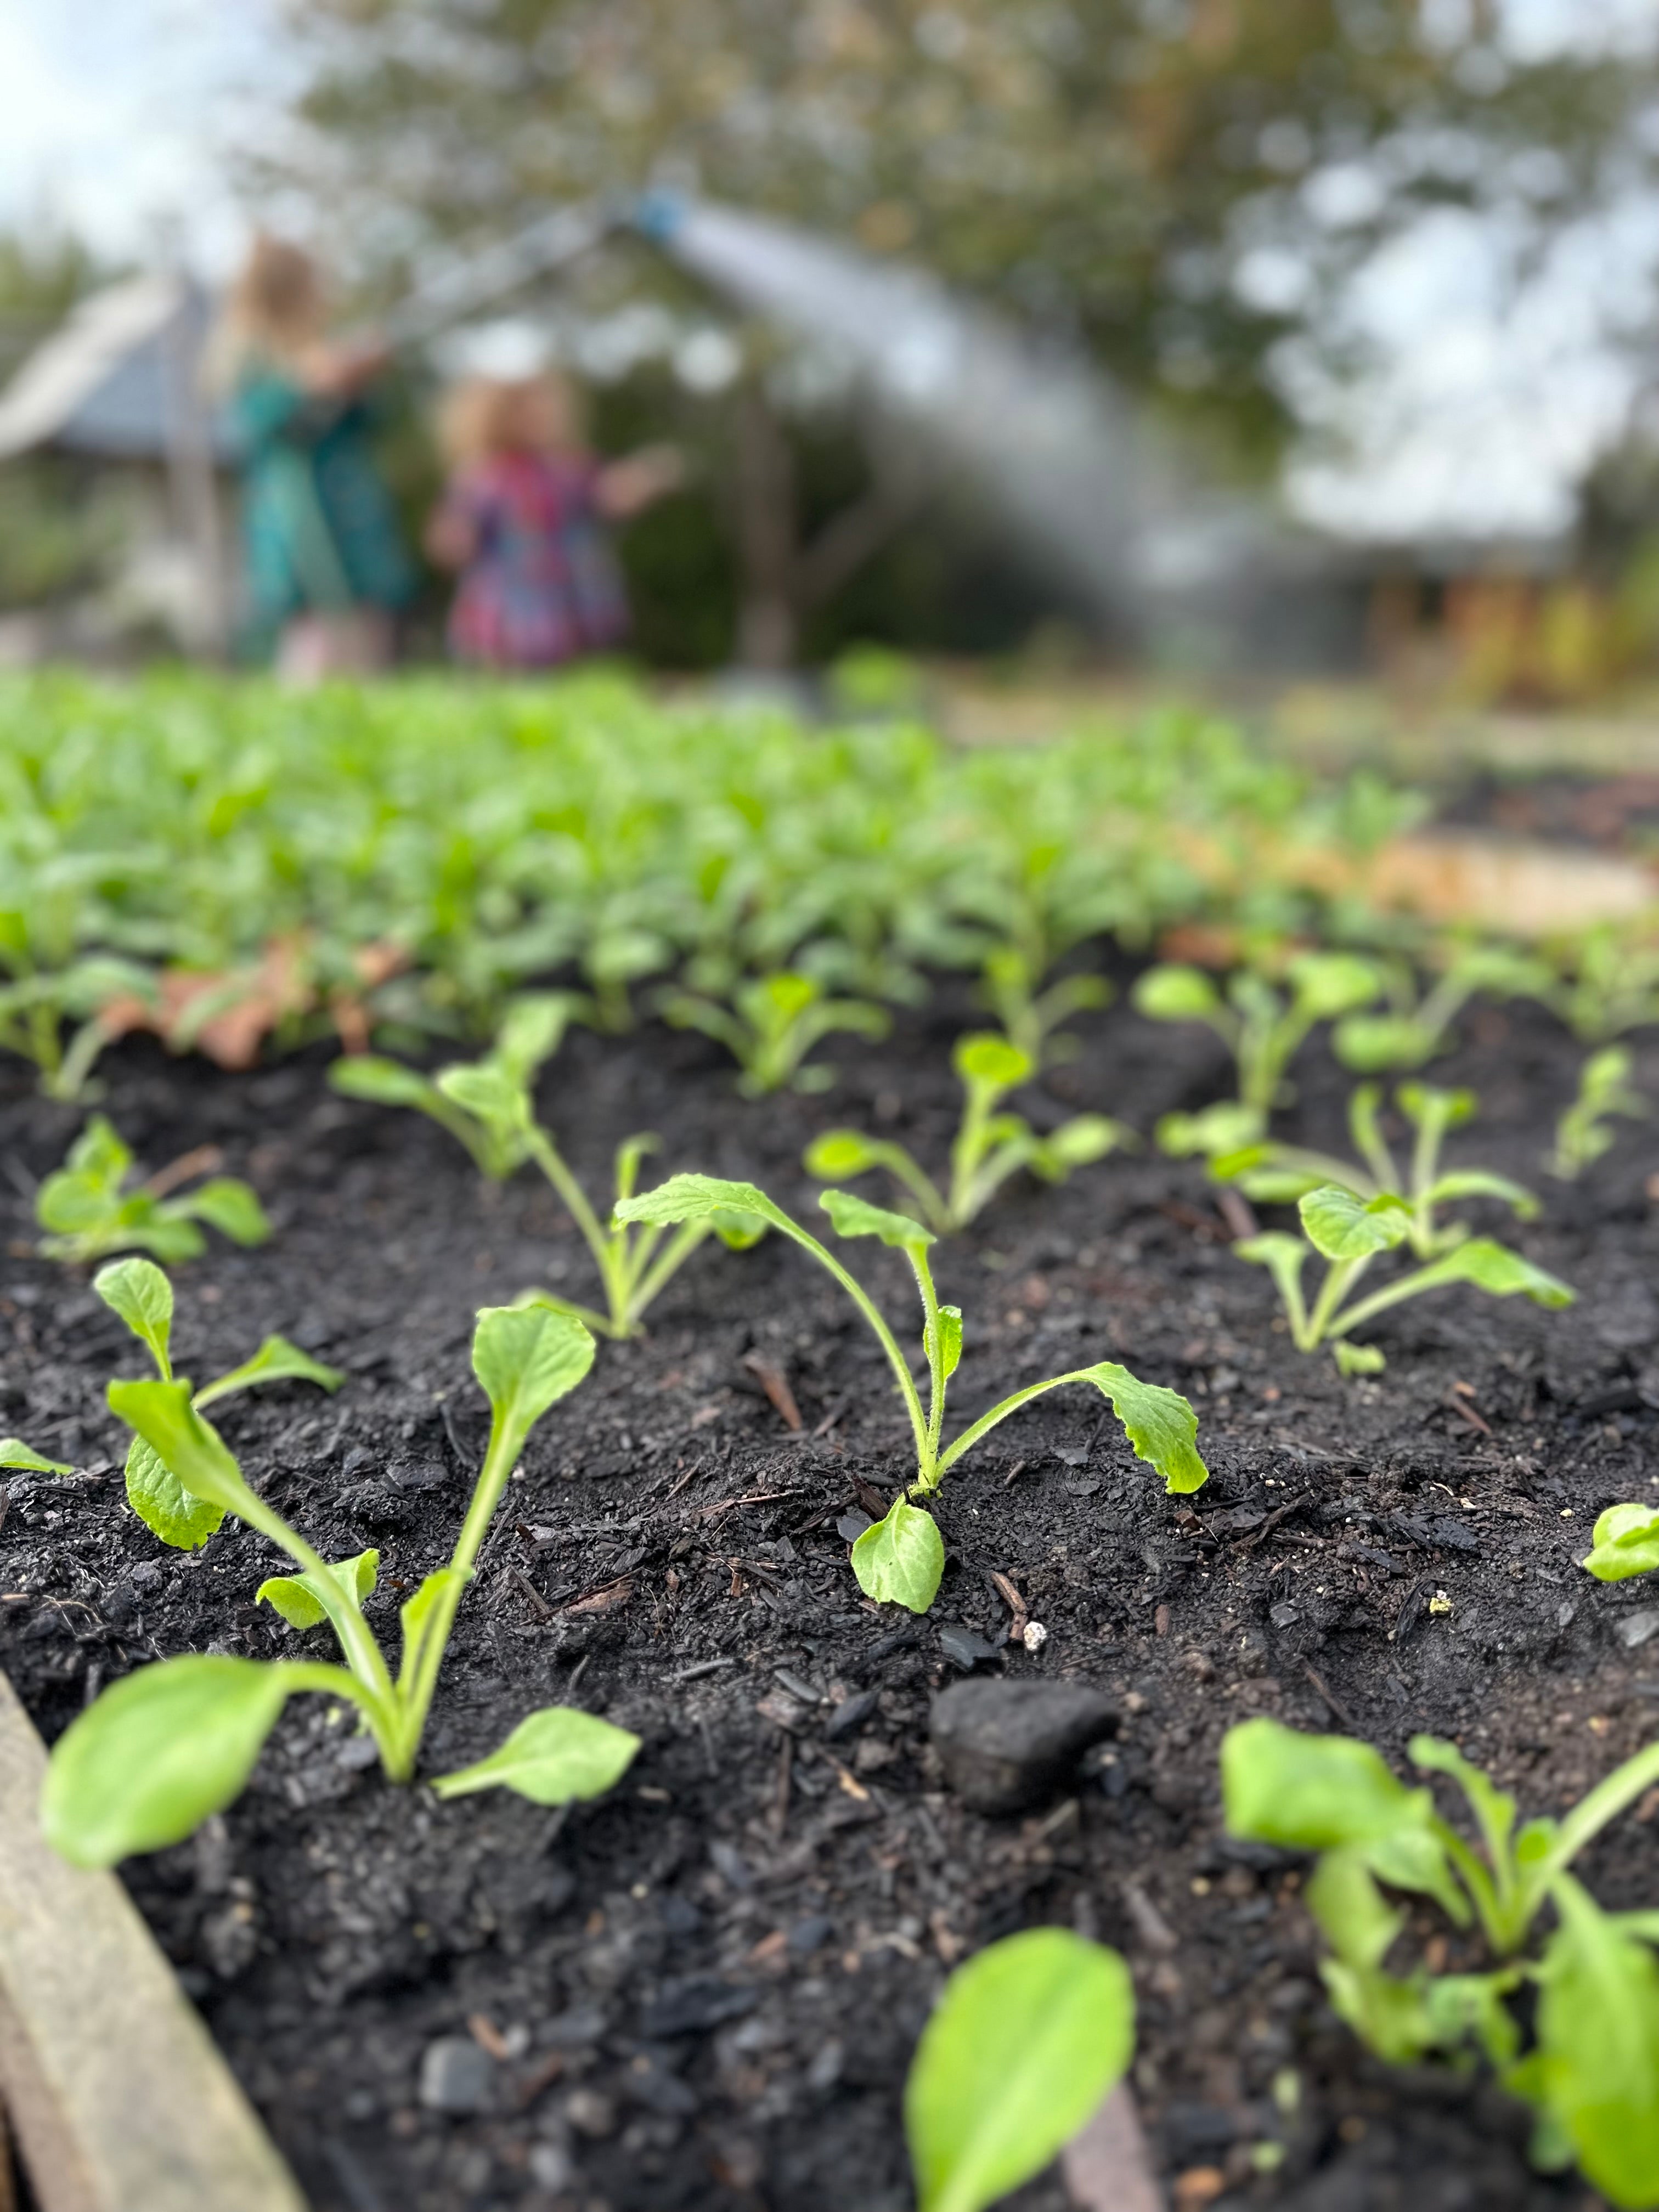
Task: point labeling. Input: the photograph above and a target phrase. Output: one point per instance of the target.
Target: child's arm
(623, 488)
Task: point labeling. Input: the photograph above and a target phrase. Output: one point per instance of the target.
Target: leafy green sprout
(772, 1022)
(1032, 1014)
(175, 1742)
(141, 1295)
(1592, 2071)
(1026, 2040)
(989, 1146)
(35, 1005)
(900, 1559)
(488, 1107)
(1418, 1028)
(1607, 979)
(89, 1212)
(1585, 1130)
(1625, 1541)
(1275, 1172)
(1261, 1025)
(1348, 1232)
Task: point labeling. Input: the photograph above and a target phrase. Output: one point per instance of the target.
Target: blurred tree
(1184, 185)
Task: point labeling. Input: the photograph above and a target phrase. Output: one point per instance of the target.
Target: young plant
(15, 1453)
(34, 1006)
(1625, 1541)
(1280, 1174)
(1607, 979)
(142, 1295)
(990, 1146)
(488, 1106)
(1584, 1131)
(175, 1743)
(1585, 2055)
(900, 1558)
(1026, 2040)
(1347, 1232)
(1030, 1012)
(1416, 1029)
(1262, 1025)
(90, 1213)
(772, 1024)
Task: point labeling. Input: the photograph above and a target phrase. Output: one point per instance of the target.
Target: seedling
(1262, 1026)
(34, 1008)
(772, 1024)
(1607, 980)
(1625, 1541)
(90, 1213)
(1417, 1029)
(489, 1108)
(1031, 1014)
(989, 1146)
(1026, 2040)
(1587, 2059)
(172, 1743)
(1348, 1232)
(1585, 1129)
(140, 1294)
(1280, 1174)
(900, 1558)
(15, 1453)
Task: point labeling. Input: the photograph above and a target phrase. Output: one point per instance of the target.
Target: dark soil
(703, 1991)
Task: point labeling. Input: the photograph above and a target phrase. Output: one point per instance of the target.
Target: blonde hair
(483, 416)
(274, 310)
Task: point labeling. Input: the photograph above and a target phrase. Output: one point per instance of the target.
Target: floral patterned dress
(543, 584)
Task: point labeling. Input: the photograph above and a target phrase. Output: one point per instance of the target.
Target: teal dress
(320, 532)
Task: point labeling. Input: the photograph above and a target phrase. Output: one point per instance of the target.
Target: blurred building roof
(119, 379)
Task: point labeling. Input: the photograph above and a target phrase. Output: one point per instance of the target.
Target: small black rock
(851, 1713)
(1007, 1745)
(963, 1648)
(457, 2076)
(693, 2006)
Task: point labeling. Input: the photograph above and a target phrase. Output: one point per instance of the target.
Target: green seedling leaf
(1225, 1127)
(488, 1093)
(553, 1756)
(1357, 1358)
(422, 1616)
(99, 1153)
(1345, 1901)
(1494, 1267)
(1025, 2042)
(1625, 1542)
(840, 1153)
(1160, 1424)
(1421, 1102)
(1476, 1182)
(988, 1060)
(526, 1358)
(701, 1198)
(533, 1029)
(900, 1559)
(1598, 2034)
(950, 1338)
(276, 1361)
(140, 1294)
(295, 1596)
(191, 1448)
(1340, 1226)
(1368, 1044)
(1177, 993)
(1077, 1143)
(230, 1207)
(164, 1505)
(738, 1232)
(383, 1081)
(1283, 1255)
(146, 1763)
(14, 1453)
(1331, 983)
(856, 1217)
(1311, 1793)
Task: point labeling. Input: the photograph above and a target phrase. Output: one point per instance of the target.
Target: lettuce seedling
(90, 1213)
(989, 1146)
(1416, 1029)
(1607, 979)
(35, 1005)
(900, 1557)
(772, 1024)
(140, 1294)
(1348, 1232)
(15, 1453)
(1584, 1131)
(1026, 2040)
(175, 1743)
(1274, 1173)
(1586, 2056)
(1031, 1013)
(1625, 1541)
(488, 1106)
(1262, 1026)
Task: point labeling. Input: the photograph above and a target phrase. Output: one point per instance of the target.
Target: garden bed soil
(703, 1991)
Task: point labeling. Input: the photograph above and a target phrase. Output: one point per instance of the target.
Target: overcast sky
(1480, 416)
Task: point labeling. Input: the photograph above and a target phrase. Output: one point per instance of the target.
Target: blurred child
(326, 564)
(523, 521)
